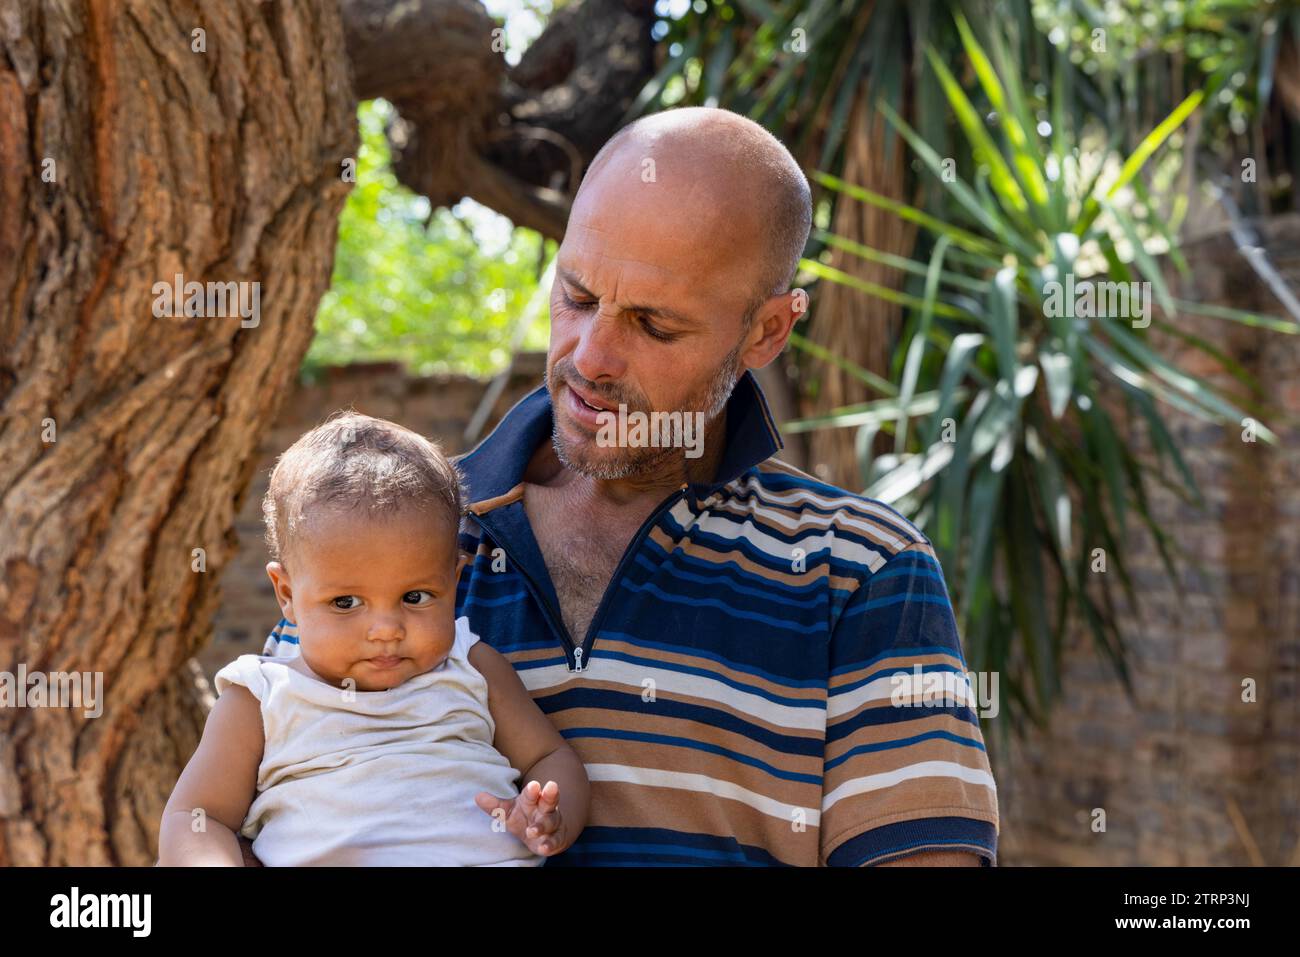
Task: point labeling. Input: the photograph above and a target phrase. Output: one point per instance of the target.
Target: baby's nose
(386, 631)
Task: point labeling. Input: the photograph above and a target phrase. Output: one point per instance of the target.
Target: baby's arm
(221, 781)
(551, 809)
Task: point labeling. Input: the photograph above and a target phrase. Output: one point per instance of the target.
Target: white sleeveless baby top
(372, 778)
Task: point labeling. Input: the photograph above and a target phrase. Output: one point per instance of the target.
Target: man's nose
(601, 347)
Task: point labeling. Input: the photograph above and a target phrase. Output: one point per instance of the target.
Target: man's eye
(584, 304)
(414, 597)
(351, 602)
(655, 333)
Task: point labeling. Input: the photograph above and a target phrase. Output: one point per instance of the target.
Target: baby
(395, 737)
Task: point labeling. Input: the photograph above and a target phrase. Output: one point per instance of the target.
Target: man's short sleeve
(282, 642)
(905, 769)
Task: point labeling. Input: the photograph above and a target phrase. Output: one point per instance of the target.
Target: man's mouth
(591, 405)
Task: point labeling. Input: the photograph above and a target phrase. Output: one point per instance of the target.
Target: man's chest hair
(581, 561)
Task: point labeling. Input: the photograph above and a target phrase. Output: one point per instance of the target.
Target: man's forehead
(649, 238)
(633, 230)
(626, 263)
(586, 250)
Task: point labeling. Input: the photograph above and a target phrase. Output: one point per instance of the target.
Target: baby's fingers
(548, 798)
(490, 804)
(529, 798)
(545, 820)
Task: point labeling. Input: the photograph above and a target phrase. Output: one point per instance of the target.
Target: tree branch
(515, 140)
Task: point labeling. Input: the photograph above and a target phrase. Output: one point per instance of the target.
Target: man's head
(673, 277)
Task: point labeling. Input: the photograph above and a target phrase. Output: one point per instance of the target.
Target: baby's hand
(533, 817)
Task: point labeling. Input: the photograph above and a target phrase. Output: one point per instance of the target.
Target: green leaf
(873, 413)
(960, 353)
(818, 351)
(1025, 158)
(823, 271)
(1003, 230)
(1004, 184)
(1059, 376)
(966, 240)
(898, 262)
(916, 348)
(1150, 143)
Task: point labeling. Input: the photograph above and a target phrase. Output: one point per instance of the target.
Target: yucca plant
(1003, 408)
(809, 71)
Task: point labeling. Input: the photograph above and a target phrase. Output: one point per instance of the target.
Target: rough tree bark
(222, 166)
(128, 156)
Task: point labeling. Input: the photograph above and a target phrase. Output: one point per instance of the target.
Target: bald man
(726, 641)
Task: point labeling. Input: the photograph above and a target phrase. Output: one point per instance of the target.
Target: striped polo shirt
(734, 700)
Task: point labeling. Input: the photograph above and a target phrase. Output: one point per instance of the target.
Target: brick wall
(1188, 773)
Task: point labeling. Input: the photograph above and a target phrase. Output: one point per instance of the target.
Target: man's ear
(283, 589)
(773, 321)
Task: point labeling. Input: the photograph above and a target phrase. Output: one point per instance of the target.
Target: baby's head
(361, 521)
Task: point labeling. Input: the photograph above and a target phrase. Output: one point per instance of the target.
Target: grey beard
(640, 461)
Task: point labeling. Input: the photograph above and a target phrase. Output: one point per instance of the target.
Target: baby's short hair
(354, 460)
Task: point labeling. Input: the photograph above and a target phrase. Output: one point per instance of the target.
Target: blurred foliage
(1141, 58)
(1062, 141)
(795, 66)
(1146, 55)
(1009, 414)
(440, 292)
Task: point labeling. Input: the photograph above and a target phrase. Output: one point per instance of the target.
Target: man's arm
(936, 859)
(906, 781)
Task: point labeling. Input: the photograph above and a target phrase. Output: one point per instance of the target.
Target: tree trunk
(848, 322)
(134, 149)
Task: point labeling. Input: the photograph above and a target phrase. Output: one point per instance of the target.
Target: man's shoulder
(779, 486)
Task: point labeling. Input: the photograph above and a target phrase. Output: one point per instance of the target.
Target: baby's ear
(283, 588)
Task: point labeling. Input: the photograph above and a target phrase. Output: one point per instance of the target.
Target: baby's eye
(416, 599)
(351, 600)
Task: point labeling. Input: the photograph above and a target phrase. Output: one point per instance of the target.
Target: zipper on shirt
(594, 628)
(574, 652)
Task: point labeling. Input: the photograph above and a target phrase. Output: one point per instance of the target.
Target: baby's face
(374, 598)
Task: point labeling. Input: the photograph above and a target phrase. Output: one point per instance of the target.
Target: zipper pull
(577, 659)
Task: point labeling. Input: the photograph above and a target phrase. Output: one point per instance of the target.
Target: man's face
(647, 310)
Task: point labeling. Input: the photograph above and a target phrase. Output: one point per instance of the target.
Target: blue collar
(497, 464)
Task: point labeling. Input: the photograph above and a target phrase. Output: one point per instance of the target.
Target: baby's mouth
(386, 662)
